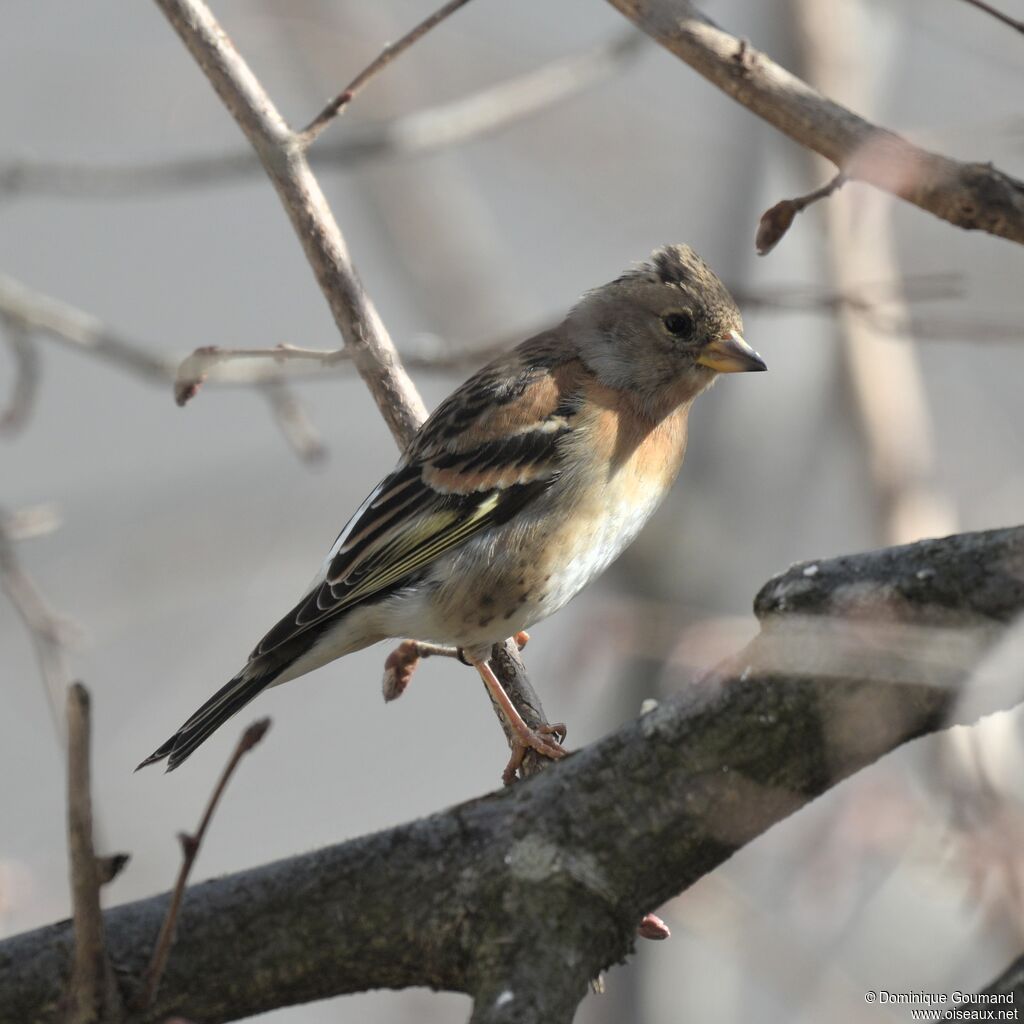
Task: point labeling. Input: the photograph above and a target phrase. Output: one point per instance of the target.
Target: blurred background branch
(489, 110)
(997, 14)
(391, 52)
(884, 379)
(47, 630)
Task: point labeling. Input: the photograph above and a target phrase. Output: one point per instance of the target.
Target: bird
(518, 490)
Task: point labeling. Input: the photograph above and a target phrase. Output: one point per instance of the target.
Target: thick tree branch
(519, 898)
(975, 196)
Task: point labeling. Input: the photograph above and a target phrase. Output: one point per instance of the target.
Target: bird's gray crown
(671, 264)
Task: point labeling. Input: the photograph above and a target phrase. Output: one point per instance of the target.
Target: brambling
(521, 487)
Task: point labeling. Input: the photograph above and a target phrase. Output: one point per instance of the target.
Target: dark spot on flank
(487, 601)
(485, 621)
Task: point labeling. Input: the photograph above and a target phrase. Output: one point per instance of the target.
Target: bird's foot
(399, 668)
(546, 740)
(401, 663)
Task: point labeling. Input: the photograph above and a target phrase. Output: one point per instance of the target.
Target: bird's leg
(402, 661)
(545, 739)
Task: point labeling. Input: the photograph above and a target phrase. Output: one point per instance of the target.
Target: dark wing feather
(485, 454)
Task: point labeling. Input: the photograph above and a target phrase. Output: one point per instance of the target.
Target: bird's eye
(679, 324)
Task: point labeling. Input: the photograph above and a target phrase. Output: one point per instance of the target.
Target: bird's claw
(545, 739)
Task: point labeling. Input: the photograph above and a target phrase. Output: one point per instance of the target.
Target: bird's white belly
(498, 584)
(598, 541)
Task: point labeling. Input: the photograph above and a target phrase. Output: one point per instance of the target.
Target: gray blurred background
(186, 532)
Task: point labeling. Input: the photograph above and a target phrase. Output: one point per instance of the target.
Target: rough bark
(520, 897)
(975, 196)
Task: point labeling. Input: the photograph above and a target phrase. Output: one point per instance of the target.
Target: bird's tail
(227, 701)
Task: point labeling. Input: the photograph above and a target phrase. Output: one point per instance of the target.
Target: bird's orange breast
(638, 452)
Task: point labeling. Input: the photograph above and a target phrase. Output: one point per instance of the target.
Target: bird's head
(664, 329)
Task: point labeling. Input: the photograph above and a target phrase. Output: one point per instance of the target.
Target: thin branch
(69, 326)
(426, 131)
(194, 370)
(25, 389)
(221, 367)
(390, 53)
(1004, 18)
(293, 421)
(280, 153)
(975, 196)
(92, 993)
(46, 629)
(28, 312)
(776, 221)
(856, 656)
(190, 845)
(30, 522)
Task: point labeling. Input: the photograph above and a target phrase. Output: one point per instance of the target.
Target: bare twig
(425, 131)
(390, 53)
(866, 297)
(194, 369)
(214, 363)
(294, 422)
(26, 378)
(975, 196)
(279, 151)
(190, 845)
(1004, 18)
(92, 993)
(30, 522)
(46, 629)
(871, 300)
(28, 312)
(776, 221)
(40, 313)
(222, 367)
(109, 867)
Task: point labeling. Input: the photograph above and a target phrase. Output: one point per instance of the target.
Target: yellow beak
(730, 354)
